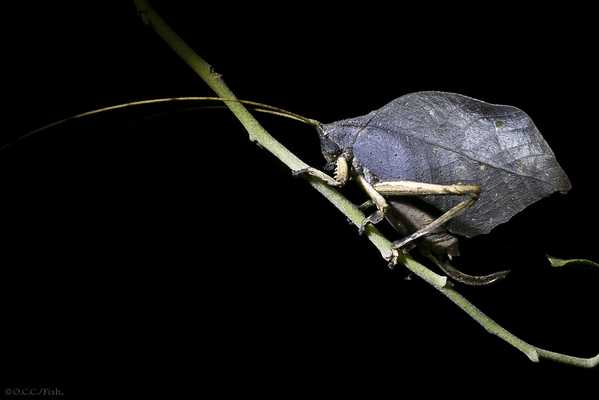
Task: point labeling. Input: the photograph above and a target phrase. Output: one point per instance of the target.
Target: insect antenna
(259, 107)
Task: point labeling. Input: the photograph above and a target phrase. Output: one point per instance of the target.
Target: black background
(159, 242)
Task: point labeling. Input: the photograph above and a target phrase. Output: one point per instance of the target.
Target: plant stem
(258, 134)
(558, 262)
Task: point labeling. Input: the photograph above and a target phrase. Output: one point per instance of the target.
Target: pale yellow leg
(377, 199)
(341, 173)
(409, 188)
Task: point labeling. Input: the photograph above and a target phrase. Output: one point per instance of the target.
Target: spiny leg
(341, 173)
(408, 188)
(377, 199)
(416, 188)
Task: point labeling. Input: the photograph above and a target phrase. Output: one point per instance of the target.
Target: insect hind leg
(466, 279)
(409, 188)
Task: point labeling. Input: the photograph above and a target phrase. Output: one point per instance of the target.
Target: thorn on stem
(144, 18)
(214, 73)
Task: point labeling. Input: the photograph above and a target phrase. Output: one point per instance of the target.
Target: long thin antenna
(265, 108)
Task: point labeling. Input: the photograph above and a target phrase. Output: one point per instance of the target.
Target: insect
(413, 156)
(436, 146)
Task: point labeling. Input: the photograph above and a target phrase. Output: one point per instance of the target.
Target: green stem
(558, 262)
(490, 325)
(259, 134)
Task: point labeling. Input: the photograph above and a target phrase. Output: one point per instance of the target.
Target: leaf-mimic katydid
(414, 155)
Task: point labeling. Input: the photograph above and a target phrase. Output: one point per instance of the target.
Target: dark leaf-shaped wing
(447, 138)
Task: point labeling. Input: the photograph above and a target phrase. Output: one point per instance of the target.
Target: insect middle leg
(376, 199)
(408, 188)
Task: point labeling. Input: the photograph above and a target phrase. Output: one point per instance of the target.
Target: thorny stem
(258, 134)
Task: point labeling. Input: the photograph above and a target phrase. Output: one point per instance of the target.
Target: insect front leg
(408, 188)
(341, 173)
